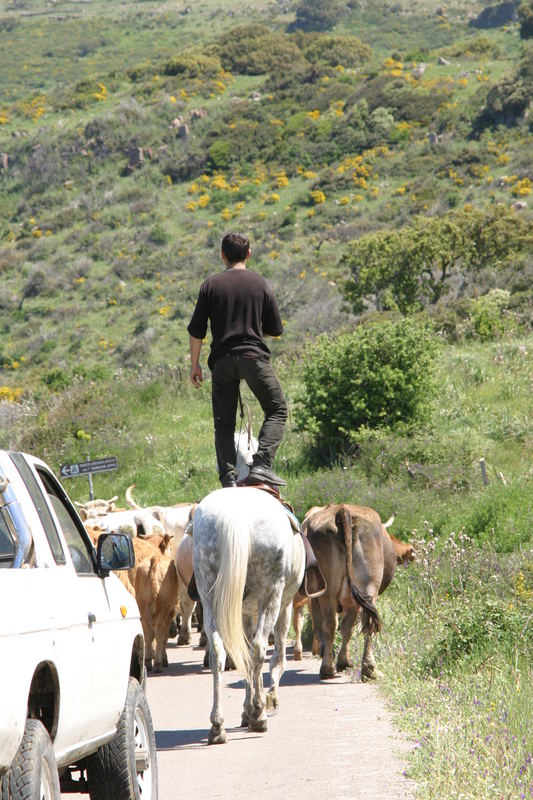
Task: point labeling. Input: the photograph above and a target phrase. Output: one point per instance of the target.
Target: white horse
(248, 565)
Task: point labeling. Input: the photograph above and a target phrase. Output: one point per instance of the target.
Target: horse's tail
(234, 534)
(343, 520)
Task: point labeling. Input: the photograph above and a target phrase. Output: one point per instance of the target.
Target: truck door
(106, 654)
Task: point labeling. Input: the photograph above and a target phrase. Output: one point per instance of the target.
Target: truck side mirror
(115, 551)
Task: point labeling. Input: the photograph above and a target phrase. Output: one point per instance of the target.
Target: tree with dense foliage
(348, 51)
(255, 50)
(412, 267)
(525, 16)
(378, 376)
(313, 16)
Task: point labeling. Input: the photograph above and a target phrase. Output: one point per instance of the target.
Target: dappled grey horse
(248, 565)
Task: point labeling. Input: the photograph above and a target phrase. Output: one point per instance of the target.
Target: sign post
(87, 468)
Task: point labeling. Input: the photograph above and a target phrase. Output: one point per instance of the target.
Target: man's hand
(195, 376)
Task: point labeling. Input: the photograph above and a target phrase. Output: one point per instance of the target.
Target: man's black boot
(259, 473)
(229, 480)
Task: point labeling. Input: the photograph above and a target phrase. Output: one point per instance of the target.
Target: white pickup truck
(73, 713)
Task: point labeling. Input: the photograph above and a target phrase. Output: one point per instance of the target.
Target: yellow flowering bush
(35, 108)
(522, 188)
(9, 394)
(318, 197)
(219, 182)
(101, 94)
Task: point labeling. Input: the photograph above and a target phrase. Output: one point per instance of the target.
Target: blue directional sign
(86, 467)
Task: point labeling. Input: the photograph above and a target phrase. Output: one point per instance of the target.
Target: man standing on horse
(241, 309)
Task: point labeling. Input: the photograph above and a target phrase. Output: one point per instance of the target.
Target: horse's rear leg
(186, 607)
(257, 717)
(278, 660)
(217, 658)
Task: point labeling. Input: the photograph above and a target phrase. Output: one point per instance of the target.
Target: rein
(248, 425)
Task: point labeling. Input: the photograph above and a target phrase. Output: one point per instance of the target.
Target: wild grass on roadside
(456, 652)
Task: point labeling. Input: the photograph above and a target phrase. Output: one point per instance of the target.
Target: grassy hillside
(381, 166)
(306, 147)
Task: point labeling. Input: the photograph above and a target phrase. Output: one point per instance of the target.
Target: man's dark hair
(235, 247)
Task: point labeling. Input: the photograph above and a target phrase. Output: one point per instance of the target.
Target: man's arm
(195, 375)
(272, 324)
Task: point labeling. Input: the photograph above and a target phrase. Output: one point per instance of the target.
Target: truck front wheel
(33, 773)
(126, 768)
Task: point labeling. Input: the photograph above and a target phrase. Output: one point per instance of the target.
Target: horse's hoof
(173, 630)
(258, 725)
(327, 672)
(184, 638)
(206, 660)
(165, 660)
(157, 668)
(148, 664)
(297, 655)
(203, 639)
(216, 736)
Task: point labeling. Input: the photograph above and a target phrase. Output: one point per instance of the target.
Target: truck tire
(126, 767)
(33, 773)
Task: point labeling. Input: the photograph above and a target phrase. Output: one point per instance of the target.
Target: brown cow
(357, 557)
(145, 548)
(156, 592)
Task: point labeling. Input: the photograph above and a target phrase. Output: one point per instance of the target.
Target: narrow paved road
(329, 739)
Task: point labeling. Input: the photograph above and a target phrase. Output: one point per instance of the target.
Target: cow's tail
(371, 622)
(234, 535)
(152, 576)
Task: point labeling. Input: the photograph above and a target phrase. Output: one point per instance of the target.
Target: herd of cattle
(352, 546)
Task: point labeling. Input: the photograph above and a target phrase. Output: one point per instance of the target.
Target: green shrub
(159, 234)
(220, 154)
(379, 376)
(348, 51)
(193, 65)
(56, 379)
(476, 47)
(473, 629)
(486, 313)
(256, 50)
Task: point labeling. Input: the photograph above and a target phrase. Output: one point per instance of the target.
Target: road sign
(86, 467)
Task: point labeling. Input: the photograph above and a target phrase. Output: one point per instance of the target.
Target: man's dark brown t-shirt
(241, 308)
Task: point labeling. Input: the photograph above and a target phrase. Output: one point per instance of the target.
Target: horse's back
(253, 513)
